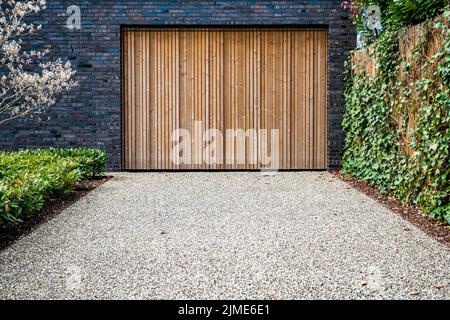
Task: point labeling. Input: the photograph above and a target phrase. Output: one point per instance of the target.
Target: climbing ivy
(375, 103)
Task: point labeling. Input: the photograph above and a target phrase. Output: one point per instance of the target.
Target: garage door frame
(217, 28)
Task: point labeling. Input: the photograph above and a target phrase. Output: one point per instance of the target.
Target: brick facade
(90, 115)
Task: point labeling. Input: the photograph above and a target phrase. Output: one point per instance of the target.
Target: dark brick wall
(90, 115)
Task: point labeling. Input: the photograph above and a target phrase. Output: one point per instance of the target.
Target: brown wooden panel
(224, 79)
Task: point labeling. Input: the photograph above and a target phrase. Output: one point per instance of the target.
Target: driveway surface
(228, 235)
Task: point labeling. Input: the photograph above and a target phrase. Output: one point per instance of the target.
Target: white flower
(22, 92)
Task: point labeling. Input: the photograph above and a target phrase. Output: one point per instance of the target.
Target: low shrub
(91, 162)
(29, 177)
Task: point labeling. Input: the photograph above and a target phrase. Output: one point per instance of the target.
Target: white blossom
(22, 92)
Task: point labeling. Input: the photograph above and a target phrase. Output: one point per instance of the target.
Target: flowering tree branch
(24, 93)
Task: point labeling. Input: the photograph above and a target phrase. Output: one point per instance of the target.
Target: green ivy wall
(410, 84)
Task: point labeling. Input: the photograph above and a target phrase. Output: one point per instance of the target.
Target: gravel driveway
(237, 235)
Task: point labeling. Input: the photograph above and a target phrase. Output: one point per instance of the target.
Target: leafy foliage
(372, 150)
(29, 177)
(409, 12)
(395, 14)
(91, 162)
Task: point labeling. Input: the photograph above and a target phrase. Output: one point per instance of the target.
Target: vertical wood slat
(228, 79)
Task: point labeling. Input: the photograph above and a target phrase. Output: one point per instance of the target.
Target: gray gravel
(225, 235)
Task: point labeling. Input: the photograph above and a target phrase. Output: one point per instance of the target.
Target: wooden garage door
(233, 80)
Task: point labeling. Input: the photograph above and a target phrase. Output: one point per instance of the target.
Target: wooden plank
(146, 121)
(183, 93)
(287, 98)
(221, 76)
(190, 104)
(231, 106)
(152, 70)
(226, 67)
(125, 103)
(164, 85)
(133, 103)
(315, 100)
(125, 99)
(177, 85)
(295, 102)
(159, 92)
(139, 92)
(277, 106)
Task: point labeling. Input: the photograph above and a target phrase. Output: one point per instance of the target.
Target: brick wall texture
(90, 115)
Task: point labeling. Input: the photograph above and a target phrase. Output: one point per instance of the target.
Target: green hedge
(372, 149)
(395, 13)
(29, 177)
(401, 13)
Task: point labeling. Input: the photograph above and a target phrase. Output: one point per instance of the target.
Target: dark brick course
(90, 115)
